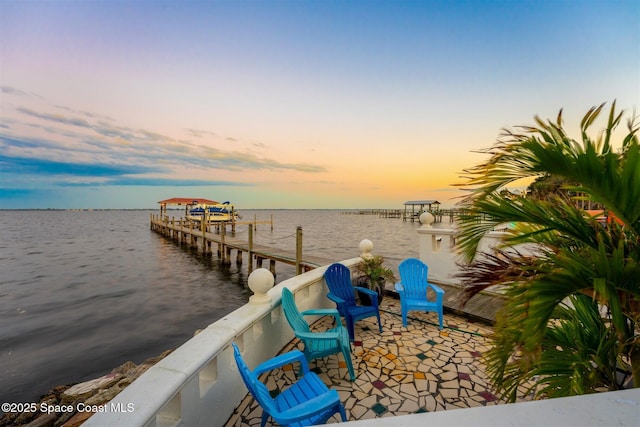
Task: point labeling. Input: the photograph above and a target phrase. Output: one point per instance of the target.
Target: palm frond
(575, 256)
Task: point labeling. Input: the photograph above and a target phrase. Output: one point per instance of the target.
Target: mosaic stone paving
(401, 371)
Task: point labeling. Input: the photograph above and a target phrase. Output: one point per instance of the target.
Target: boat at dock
(197, 209)
(213, 213)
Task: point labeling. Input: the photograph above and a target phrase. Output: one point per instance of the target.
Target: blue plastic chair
(341, 291)
(413, 288)
(318, 344)
(306, 402)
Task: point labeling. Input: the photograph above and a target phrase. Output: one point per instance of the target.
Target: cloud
(18, 165)
(199, 133)
(8, 90)
(55, 118)
(41, 140)
(165, 182)
(98, 174)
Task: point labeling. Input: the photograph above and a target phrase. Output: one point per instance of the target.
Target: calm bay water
(82, 292)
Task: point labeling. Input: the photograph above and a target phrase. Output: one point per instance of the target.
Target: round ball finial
(426, 219)
(260, 281)
(366, 246)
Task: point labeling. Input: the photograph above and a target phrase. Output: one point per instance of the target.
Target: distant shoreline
(182, 209)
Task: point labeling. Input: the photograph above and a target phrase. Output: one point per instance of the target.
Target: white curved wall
(199, 384)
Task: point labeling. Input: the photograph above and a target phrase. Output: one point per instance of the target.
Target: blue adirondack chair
(341, 291)
(318, 344)
(304, 403)
(413, 287)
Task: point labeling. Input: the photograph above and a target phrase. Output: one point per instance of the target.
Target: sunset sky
(289, 104)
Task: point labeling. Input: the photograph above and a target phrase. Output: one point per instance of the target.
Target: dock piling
(299, 250)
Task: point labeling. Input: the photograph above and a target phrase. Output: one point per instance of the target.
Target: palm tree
(577, 255)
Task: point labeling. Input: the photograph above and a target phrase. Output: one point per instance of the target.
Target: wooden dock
(191, 233)
(207, 236)
(381, 213)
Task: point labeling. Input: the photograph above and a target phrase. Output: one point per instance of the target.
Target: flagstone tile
(357, 412)
(466, 369)
(448, 375)
(430, 404)
(476, 379)
(489, 397)
(439, 362)
(461, 361)
(348, 400)
(455, 405)
(449, 393)
(409, 407)
(470, 403)
(466, 384)
(379, 409)
(476, 397)
(431, 375)
(402, 378)
(421, 385)
(379, 384)
(362, 395)
(393, 393)
(450, 384)
(409, 389)
(378, 393)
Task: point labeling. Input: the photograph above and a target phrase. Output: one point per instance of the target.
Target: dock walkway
(207, 236)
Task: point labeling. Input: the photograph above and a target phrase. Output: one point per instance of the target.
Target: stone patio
(399, 371)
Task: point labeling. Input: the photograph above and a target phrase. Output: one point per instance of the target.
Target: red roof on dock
(187, 201)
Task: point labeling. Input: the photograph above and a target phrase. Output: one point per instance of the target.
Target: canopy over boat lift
(187, 202)
(431, 206)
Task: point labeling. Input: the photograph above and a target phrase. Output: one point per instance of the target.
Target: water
(82, 292)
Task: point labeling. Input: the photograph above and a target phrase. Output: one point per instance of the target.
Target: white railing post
(260, 281)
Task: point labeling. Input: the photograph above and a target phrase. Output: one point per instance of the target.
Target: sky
(289, 104)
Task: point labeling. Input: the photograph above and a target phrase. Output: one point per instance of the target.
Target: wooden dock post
(223, 247)
(183, 237)
(250, 251)
(203, 228)
(298, 250)
(227, 255)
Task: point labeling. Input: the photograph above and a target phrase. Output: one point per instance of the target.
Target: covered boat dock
(187, 202)
(418, 207)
